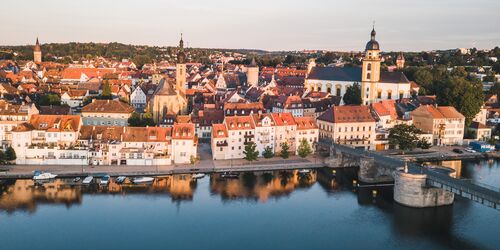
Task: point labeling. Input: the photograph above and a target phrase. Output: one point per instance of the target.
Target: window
(369, 66)
(389, 95)
(368, 76)
(379, 94)
(338, 91)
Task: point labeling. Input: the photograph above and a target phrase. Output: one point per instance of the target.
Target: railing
(479, 192)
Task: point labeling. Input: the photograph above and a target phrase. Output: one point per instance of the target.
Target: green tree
(304, 148)
(465, 95)
(138, 120)
(285, 150)
(352, 95)
(424, 78)
(250, 152)
(106, 91)
(49, 99)
(268, 152)
(404, 136)
(10, 154)
(423, 144)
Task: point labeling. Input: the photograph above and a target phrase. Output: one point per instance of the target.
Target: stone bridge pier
(411, 190)
(369, 171)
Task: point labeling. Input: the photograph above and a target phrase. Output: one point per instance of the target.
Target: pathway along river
(278, 210)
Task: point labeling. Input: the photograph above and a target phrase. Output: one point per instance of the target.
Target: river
(275, 210)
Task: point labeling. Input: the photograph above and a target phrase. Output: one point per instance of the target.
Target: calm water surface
(278, 210)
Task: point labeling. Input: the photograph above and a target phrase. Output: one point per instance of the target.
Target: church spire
(181, 43)
(373, 32)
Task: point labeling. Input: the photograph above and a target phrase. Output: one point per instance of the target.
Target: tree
(250, 152)
(10, 154)
(138, 120)
(268, 152)
(106, 91)
(49, 99)
(304, 148)
(463, 94)
(404, 136)
(284, 150)
(352, 95)
(424, 78)
(423, 144)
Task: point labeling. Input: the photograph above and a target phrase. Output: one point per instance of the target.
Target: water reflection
(261, 186)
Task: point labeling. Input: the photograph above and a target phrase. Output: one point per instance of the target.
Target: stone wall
(411, 190)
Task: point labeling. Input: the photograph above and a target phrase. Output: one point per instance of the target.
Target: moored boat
(304, 171)
(120, 179)
(140, 180)
(105, 180)
(229, 175)
(77, 179)
(198, 176)
(88, 179)
(44, 176)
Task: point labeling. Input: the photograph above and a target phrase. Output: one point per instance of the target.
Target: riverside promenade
(203, 166)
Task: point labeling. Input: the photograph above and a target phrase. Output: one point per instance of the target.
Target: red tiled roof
(283, 119)
(347, 114)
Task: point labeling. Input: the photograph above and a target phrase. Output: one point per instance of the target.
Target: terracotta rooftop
(239, 122)
(283, 119)
(183, 131)
(304, 123)
(107, 106)
(56, 123)
(219, 131)
(347, 114)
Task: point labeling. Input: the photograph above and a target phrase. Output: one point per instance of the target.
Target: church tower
(400, 61)
(37, 53)
(180, 69)
(253, 74)
(371, 70)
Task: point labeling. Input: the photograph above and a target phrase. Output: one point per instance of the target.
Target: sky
(401, 25)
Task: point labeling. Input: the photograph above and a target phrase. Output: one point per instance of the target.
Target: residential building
(264, 132)
(445, 123)
(348, 125)
(184, 143)
(306, 129)
(106, 113)
(285, 131)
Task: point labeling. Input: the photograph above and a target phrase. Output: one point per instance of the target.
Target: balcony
(249, 136)
(221, 144)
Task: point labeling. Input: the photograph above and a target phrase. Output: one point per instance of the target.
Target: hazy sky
(271, 24)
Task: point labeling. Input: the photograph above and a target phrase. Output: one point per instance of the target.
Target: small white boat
(88, 180)
(120, 179)
(77, 179)
(44, 176)
(140, 180)
(105, 180)
(304, 171)
(198, 176)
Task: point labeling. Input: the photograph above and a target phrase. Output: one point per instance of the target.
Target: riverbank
(69, 171)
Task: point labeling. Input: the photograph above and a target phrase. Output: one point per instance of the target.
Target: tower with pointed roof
(400, 61)
(180, 68)
(37, 52)
(371, 69)
(253, 74)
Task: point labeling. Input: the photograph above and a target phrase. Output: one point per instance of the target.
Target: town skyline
(274, 28)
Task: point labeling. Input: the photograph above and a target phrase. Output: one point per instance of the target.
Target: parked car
(458, 151)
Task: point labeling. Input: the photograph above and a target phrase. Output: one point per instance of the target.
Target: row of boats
(105, 179)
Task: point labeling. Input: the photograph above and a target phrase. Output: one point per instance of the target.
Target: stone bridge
(414, 185)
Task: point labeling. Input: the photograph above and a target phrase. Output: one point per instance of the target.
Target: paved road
(205, 166)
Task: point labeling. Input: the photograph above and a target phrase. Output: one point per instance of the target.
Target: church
(376, 85)
(170, 96)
